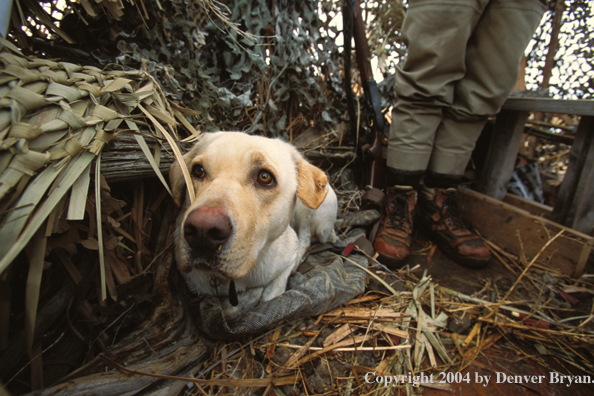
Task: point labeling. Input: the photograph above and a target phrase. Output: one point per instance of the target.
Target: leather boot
(440, 212)
(393, 238)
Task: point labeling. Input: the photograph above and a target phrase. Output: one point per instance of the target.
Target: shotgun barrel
(372, 153)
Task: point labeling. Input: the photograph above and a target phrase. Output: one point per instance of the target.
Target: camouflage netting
(269, 67)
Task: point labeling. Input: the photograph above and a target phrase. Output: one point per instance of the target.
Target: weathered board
(124, 161)
(549, 105)
(503, 150)
(530, 206)
(575, 203)
(516, 230)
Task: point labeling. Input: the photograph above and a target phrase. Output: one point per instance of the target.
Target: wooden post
(503, 150)
(575, 203)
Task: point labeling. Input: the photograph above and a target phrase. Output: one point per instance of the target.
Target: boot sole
(389, 261)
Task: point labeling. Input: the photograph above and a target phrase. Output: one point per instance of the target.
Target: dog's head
(245, 191)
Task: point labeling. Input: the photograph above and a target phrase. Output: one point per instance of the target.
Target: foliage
(384, 20)
(280, 78)
(572, 75)
(289, 71)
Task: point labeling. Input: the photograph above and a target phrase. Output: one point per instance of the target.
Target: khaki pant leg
(436, 33)
(492, 67)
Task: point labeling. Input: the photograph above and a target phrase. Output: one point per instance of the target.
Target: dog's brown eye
(265, 178)
(198, 171)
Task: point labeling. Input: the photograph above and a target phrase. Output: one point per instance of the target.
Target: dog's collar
(233, 294)
(215, 282)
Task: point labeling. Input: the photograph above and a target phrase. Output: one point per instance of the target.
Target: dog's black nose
(207, 228)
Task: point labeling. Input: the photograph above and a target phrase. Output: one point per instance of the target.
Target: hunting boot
(439, 209)
(393, 238)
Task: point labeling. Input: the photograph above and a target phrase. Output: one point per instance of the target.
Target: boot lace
(452, 210)
(398, 212)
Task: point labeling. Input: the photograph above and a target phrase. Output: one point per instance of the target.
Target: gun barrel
(361, 44)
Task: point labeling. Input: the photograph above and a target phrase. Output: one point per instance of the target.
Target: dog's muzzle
(206, 229)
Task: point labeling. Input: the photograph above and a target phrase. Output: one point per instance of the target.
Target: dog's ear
(312, 184)
(178, 184)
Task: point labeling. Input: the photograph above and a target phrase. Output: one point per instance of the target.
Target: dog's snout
(207, 228)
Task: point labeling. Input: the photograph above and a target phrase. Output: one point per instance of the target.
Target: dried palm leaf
(55, 118)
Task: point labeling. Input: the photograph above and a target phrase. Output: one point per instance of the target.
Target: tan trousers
(463, 61)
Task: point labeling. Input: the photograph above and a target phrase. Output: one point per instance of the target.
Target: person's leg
(492, 66)
(492, 63)
(436, 33)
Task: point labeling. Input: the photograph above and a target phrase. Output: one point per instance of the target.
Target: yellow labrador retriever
(258, 203)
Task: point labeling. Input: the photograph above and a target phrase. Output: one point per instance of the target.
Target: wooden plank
(575, 206)
(503, 150)
(516, 230)
(547, 105)
(530, 206)
(123, 160)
